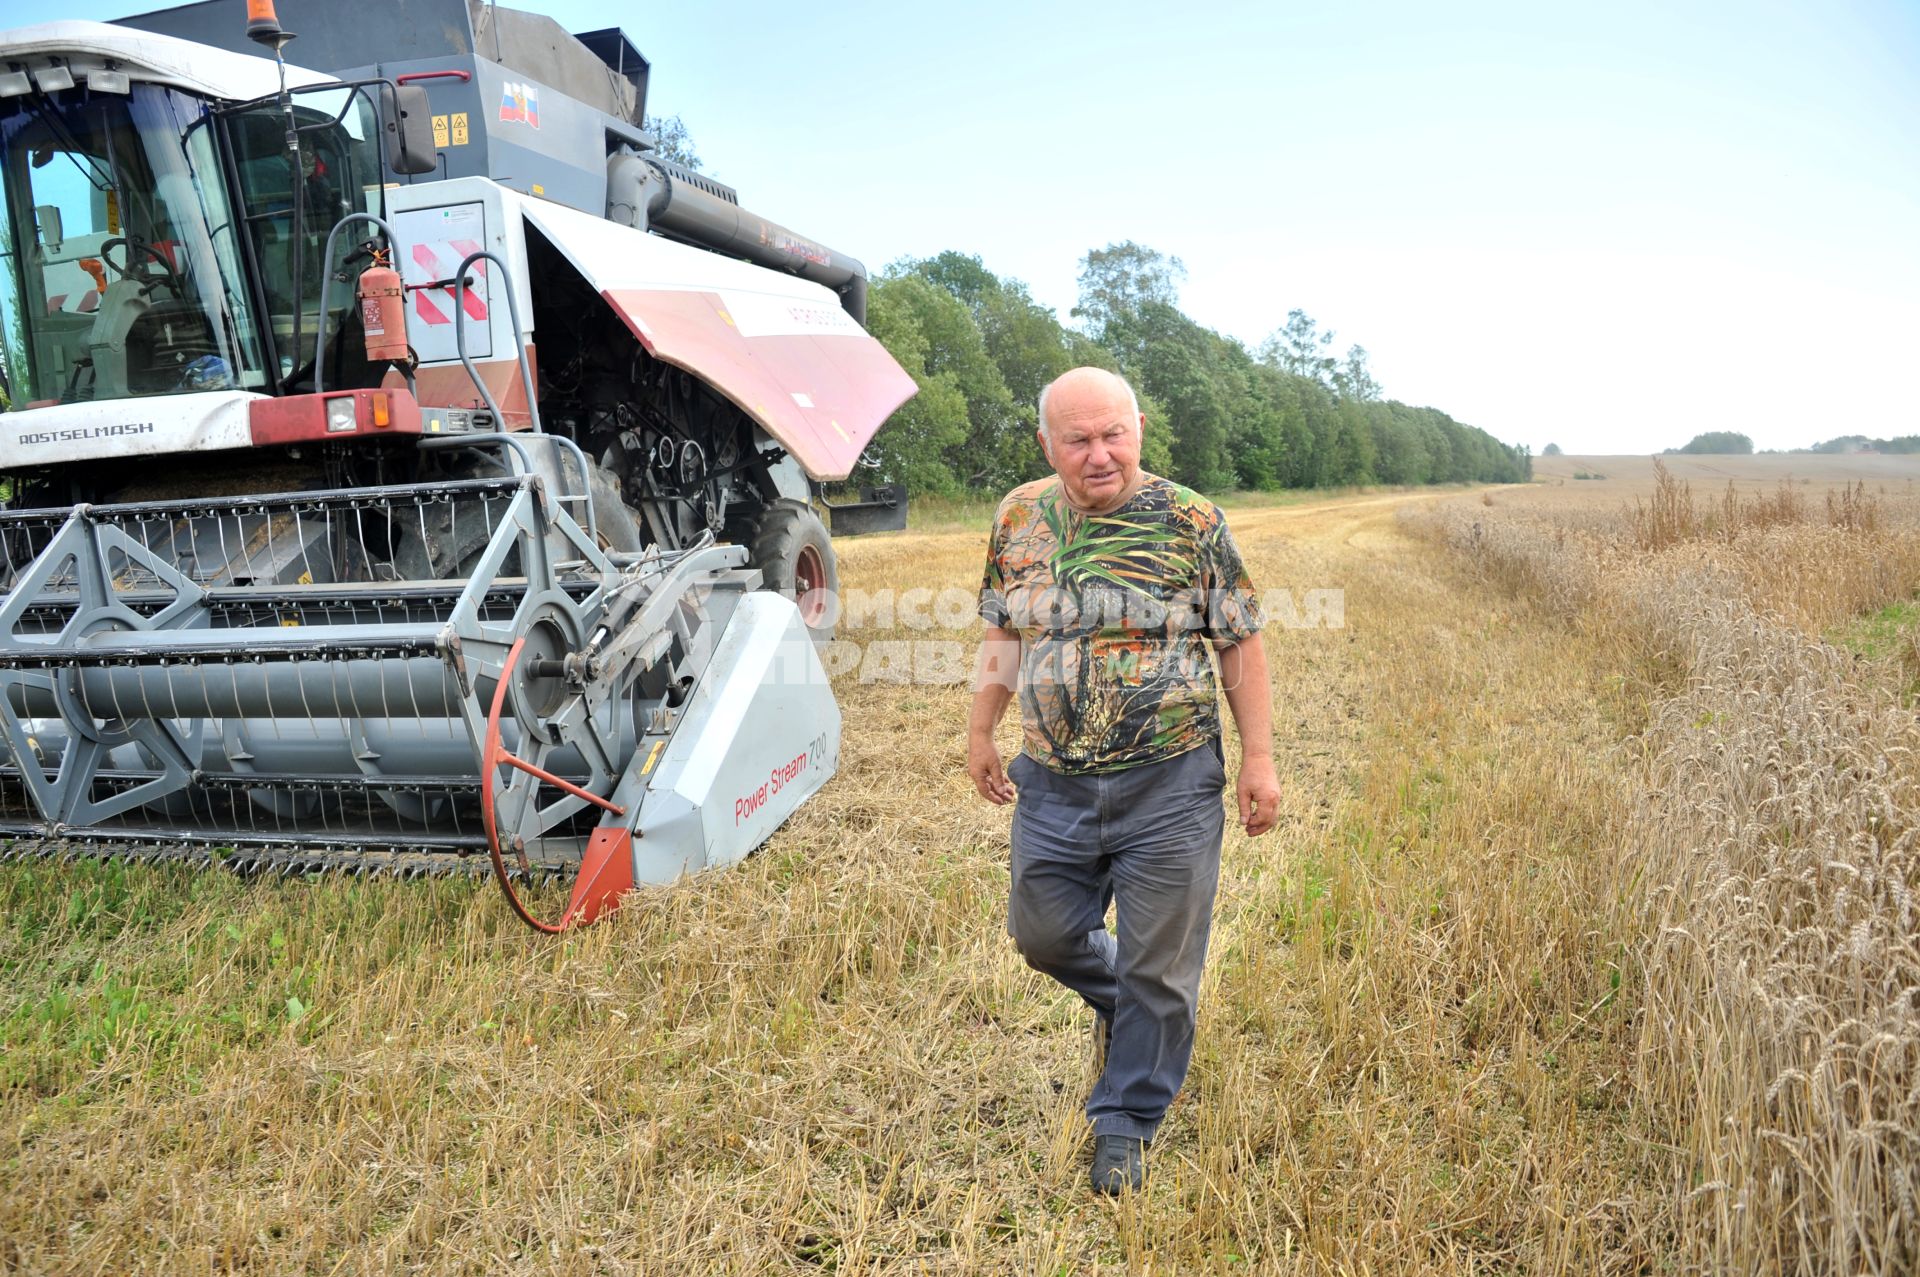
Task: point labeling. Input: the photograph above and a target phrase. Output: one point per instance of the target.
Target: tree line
(1291, 414)
(1733, 443)
(1900, 444)
(1723, 443)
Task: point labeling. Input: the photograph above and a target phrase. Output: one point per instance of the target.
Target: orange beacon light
(263, 24)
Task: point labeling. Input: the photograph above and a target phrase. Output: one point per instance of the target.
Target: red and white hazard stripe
(440, 261)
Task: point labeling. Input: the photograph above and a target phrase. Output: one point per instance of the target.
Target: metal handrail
(519, 337)
(326, 279)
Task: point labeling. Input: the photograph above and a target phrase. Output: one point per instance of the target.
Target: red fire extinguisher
(383, 311)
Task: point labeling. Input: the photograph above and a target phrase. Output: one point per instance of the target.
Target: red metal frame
(303, 418)
(809, 584)
(606, 868)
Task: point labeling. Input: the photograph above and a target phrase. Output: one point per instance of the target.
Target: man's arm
(1243, 675)
(993, 685)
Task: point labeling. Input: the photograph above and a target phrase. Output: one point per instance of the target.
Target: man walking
(1107, 592)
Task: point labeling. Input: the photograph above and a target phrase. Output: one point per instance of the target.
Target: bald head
(1076, 390)
(1090, 429)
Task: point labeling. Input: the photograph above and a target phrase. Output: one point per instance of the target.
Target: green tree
(1321, 417)
(1156, 442)
(1718, 442)
(1353, 455)
(1551, 450)
(1181, 365)
(1300, 348)
(1354, 378)
(1901, 444)
(1026, 343)
(1294, 444)
(954, 348)
(1400, 449)
(912, 447)
(1216, 417)
(672, 141)
(1117, 281)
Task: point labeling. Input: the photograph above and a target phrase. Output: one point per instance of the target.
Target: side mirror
(48, 218)
(409, 126)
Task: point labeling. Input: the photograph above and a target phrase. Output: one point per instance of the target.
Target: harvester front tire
(795, 557)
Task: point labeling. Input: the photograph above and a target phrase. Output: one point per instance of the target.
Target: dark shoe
(1119, 1164)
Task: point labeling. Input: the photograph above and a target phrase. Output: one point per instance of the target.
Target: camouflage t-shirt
(1115, 613)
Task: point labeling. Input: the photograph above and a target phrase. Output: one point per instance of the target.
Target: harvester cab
(408, 468)
(133, 281)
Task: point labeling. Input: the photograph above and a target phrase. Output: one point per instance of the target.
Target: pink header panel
(820, 395)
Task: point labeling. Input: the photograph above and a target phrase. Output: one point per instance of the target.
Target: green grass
(1880, 634)
(164, 970)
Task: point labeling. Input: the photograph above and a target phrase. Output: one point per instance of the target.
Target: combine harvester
(409, 467)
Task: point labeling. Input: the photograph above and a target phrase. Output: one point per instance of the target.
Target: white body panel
(145, 56)
(148, 426)
(758, 737)
(434, 241)
(437, 224)
(762, 302)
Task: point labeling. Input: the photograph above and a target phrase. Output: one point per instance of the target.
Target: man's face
(1094, 446)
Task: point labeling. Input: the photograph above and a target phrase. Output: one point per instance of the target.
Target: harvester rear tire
(795, 557)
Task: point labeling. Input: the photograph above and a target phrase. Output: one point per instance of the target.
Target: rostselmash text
(84, 432)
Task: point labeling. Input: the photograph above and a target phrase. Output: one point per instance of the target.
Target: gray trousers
(1146, 839)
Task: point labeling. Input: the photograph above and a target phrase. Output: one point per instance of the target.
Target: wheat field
(1585, 945)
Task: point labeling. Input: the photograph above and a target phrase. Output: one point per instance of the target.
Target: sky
(1604, 226)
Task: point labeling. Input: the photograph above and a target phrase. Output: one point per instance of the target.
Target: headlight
(341, 414)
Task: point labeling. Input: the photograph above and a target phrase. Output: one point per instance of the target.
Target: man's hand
(1243, 676)
(1259, 791)
(983, 765)
(993, 686)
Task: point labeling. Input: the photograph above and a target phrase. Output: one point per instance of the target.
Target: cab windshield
(120, 257)
(287, 221)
